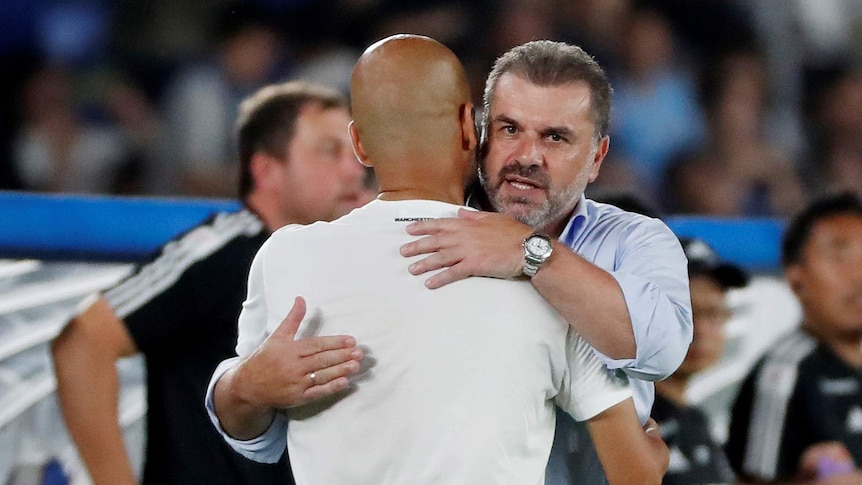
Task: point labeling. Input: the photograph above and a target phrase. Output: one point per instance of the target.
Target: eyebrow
(551, 130)
(506, 120)
(557, 130)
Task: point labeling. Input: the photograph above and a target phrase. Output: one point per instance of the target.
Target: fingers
(651, 426)
(326, 389)
(330, 358)
(441, 259)
(425, 228)
(421, 246)
(290, 324)
(451, 275)
(472, 215)
(315, 345)
(324, 376)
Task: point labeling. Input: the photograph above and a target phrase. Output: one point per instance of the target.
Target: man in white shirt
(462, 389)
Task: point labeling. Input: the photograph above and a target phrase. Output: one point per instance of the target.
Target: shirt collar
(576, 222)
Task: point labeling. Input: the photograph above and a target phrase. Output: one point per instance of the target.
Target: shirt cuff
(661, 334)
(266, 448)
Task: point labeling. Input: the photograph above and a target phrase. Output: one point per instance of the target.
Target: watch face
(538, 245)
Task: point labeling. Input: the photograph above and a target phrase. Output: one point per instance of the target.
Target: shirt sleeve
(651, 270)
(161, 301)
(588, 386)
(268, 447)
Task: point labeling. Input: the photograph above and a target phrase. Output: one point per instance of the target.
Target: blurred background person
(180, 310)
(58, 150)
(696, 457)
(738, 172)
(807, 389)
(201, 102)
(835, 162)
(656, 114)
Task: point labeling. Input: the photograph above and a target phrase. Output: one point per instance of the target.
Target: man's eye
(555, 137)
(509, 130)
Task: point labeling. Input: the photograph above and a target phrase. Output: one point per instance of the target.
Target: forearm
(590, 299)
(239, 415)
(628, 454)
(88, 389)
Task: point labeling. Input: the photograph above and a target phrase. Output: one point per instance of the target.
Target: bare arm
(85, 355)
(596, 310)
(278, 375)
(629, 454)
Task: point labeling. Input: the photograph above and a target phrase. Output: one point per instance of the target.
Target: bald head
(406, 95)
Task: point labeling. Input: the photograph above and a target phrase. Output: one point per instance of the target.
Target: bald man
(461, 390)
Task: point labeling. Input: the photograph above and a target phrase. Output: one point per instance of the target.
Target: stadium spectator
(58, 149)
(201, 101)
(836, 162)
(696, 457)
(656, 111)
(803, 400)
(180, 309)
(738, 172)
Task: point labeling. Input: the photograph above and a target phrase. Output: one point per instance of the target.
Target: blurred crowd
(721, 107)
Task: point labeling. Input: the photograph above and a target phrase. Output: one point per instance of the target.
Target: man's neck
(848, 348)
(421, 194)
(269, 217)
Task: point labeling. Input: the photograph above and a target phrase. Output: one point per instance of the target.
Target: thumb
(471, 215)
(289, 326)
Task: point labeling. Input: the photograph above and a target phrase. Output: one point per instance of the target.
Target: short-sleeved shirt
(800, 393)
(462, 379)
(695, 457)
(181, 310)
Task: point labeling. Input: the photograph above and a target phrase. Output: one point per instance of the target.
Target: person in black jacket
(696, 458)
(180, 310)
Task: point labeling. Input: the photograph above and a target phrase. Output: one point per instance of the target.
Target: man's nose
(530, 152)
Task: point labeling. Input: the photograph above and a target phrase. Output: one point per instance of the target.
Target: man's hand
(829, 463)
(474, 244)
(281, 373)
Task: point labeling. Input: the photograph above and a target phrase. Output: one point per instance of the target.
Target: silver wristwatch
(537, 250)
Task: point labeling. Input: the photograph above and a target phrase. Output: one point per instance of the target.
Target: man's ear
(469, 138)
(261, 167)
(795, 279)
(357, 145)
(599, 157)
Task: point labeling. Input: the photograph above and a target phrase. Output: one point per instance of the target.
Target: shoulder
(629, 229)
(778, 371)
(219, 236)
(793, 349)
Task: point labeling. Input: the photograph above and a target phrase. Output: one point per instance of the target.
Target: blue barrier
(103, 228)
(95, 228)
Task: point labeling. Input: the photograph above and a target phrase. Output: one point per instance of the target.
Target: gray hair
(548, 63)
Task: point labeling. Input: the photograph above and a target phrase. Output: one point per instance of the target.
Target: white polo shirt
(459, 382)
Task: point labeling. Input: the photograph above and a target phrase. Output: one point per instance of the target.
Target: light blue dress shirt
(647, 261)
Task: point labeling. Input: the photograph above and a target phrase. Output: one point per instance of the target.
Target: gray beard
(538, 217)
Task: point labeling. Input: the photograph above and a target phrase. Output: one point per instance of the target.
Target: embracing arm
(85, 355)
(629, 453)
(277, 375)
(639, 313)
(596, 310)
